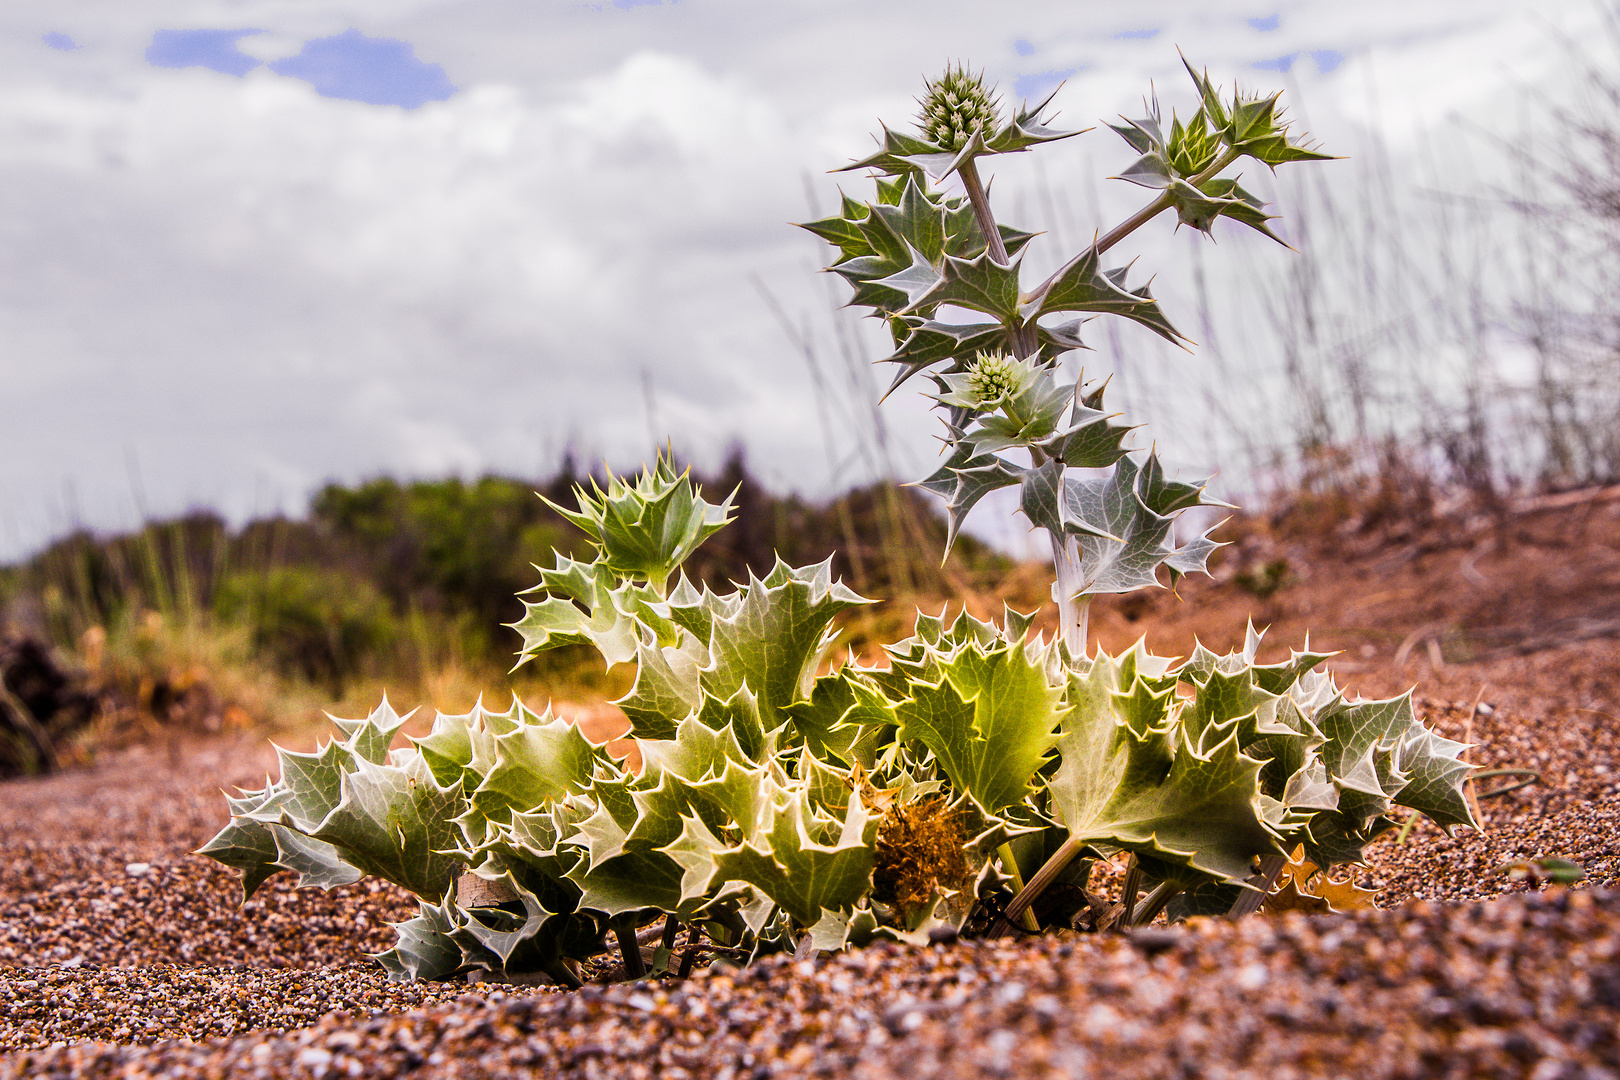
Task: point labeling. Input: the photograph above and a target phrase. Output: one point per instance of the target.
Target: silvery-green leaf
(991, 721)
(1333, 839)
(1240, 205)
(666, 687)
(896, 146)
(646, 529)
(963, 480)
(940, 164)
(369, 738)
(447, 750)
(1090, 439)
(1359, 735)
(425, 949)
(804, 876)
(1027, 128)
(535, 764)
(1081, 285)
(840, 709)
(1150, 171)
(918, 220)
(317, 863)
(1251, 125)
(1040, 496)
(777, 636)
(312, 785)
(246, 845)
(1061, 338)
(979, 284)
(1436, 777)
(1149, 790)
(394, 822)
(916, 281)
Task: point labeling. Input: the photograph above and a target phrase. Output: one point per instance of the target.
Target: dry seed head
(957, 105)
(919, 854)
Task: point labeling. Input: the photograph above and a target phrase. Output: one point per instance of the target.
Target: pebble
(1526, 985)
(121, 954)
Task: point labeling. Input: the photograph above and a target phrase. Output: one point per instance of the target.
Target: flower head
(992, 376)
(957, 104)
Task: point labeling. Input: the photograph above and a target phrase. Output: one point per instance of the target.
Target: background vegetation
(408, 584)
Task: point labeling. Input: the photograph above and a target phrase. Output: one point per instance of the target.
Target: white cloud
(250, 288)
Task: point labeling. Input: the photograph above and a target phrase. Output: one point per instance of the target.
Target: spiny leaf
(647, 529)
(804, 875)
(393, 821)
(979, 284)
(1080, 285)
(317, 863)
(918, 220)
(963, 480)
(370, 738)
(842, 707)
(425, 949)
(1251, 124)
(246, 845)
(543, 760)
(776, 636)
(312, 786)
(991, 720)
(1149, 790)
(666, 687)
(586, 606)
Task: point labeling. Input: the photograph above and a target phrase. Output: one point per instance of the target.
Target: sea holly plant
(916, 252)
(785, 800)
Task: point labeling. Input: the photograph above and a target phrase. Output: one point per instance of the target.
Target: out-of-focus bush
(316, 624)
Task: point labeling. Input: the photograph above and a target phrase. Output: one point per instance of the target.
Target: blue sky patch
(60, 42)
(1023, 47)
(1037, 84)
(1266, 23)
(1137, 35)
(377, 71)
(1280, 63)
(212, 49)
(1327, 59)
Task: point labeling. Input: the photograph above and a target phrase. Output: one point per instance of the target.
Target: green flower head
(994, 375)
(957, 105)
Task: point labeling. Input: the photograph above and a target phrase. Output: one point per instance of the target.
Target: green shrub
(320, 625)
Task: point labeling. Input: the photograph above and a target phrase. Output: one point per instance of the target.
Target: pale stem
(1128, 891)
(1026, 918)
(1024, 342)
(1160, 204)
(1271, 867)
(1074, 611)
(1154, 902)
(1060, 860)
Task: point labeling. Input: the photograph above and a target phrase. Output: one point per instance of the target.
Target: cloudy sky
(247, 246)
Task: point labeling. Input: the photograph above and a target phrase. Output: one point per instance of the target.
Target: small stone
(1152, 941)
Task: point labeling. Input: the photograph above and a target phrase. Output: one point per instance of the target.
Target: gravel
(1525, 986)
(122, 954)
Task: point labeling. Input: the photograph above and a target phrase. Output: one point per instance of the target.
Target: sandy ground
(122, 954)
